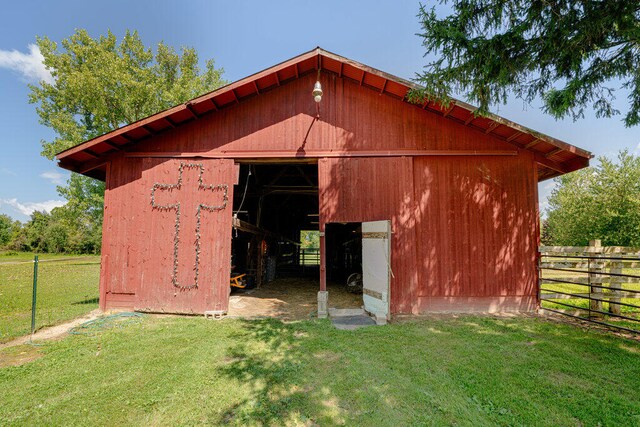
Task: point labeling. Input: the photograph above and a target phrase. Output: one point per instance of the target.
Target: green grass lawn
(67, 288)
(441, 371)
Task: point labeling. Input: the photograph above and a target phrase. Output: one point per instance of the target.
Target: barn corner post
(105, 244)
(538, 241)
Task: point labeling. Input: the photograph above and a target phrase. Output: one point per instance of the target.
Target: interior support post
(323, 295)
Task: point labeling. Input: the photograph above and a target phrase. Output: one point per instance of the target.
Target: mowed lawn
(67, 288)
(467, 371)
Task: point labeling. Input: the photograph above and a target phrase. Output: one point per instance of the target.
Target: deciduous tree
(602, 202)
(100, 84)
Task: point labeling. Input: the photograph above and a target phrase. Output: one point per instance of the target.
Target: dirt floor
(288, 299)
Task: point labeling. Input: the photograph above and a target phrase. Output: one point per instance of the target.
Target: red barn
(441, 205)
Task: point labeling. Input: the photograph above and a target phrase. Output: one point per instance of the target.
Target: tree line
(75, 227)
(600, 202)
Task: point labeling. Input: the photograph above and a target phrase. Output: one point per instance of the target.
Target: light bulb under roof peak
(317, 91)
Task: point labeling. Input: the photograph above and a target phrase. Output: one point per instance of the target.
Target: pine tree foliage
(573, 54)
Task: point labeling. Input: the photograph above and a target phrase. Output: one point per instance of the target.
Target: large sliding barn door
(187, 239)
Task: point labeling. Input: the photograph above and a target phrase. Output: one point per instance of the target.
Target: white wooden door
(376, 269)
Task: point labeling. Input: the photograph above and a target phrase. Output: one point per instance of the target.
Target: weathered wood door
(376, 269)
(186, 238)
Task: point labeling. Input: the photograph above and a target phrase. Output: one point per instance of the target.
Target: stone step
(343, 312)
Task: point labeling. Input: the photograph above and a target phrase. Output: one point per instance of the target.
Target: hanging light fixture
(317, 91)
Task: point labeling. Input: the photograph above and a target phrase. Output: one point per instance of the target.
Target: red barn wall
(476, 227)
(464, 227)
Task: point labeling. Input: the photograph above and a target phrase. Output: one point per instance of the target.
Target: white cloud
(56, 178)
(27, 208)
(29, 65)
(637, 150)
(6, 171)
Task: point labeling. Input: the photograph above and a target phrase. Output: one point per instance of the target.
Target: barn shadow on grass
(274, 368)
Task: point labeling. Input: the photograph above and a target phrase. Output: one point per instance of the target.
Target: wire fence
(45, 290)
(592, 283)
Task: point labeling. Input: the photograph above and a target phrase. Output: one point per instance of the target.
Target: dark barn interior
(344, 251)
(272, 204)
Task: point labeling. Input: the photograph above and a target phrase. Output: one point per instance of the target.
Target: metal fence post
(33, 299)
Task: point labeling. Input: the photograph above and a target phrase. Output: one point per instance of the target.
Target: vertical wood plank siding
(372, 189)
(465, 228)
(476, 233)
(138, 242)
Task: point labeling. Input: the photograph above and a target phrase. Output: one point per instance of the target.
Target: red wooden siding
(352, 118)
(476, 231)
(464, 229)
(371, 189)
(138, 246)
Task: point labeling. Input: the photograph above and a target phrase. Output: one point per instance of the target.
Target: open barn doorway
(275, 242)
(358, 259)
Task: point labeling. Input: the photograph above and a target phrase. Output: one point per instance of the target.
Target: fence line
(593, 283)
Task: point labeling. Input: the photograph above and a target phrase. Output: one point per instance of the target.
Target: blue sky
(243, 37)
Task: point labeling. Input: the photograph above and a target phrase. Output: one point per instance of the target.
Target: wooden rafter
(471, 118)
(192, 111)
(148, 129)
(89, 166)
(92, 154)
(553, 152)
(112, 145)
(304, 175)
(492, 127)
(514, 136)
(532, 143)
(558, 167)
(384, 86)
(235, 97)
(127, 137)
(450, 109)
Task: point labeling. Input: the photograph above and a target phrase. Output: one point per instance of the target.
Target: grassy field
(440, 371)
(67, 288)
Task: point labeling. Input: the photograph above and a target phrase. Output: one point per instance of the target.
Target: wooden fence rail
(593, 273)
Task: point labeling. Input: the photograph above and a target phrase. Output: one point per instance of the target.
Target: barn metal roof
(554, 157)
